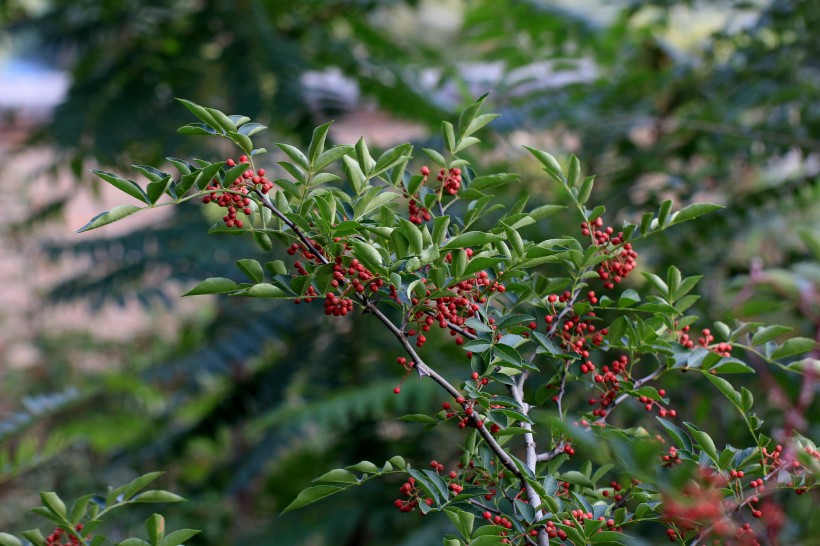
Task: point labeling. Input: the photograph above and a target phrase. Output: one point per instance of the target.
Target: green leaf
(550, 164)
(490, 181)
(264, 290)
(233, 173)
(311, 495)
(157, 495)
(133, 541)
(508, 354)
(694, 210)
(35, 537)
(213, 285)
(155, 189)
(398, 462)
(222, 121)
(437, 158)
(200, 111)
(478, 345)
(9, 540)
(574, 174)
(479, 122)
(449, 136)
(544, 211)
(419, 418)
(128, 186)
(463, 521)
(768, 333)
(470, 238)
(726, 388)
(354, 173)
(252, 269)
(585, 190)
(134, 486)
(663, 212)
(117, 213)
(392, 157)
(243, 141)
(746, 400)
(295, 154)
(329, 156)
(338, 475)
(679, 437)
(577, 478)
(178, 537)
(317, 142)
(657, 283)
(250, 129)
(794, 346)
(368, 254)
(197, 129)
(628, 298)
(53, 502)
(155, 525)
(610, 536)
(704, 441)
(365, 467)
(487, 540)
(366, 161)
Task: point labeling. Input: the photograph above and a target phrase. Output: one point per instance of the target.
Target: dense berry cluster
(449, 311)
(236, 199)
(701, 507)
(451, 180)
(621, 256)
(608, 382)
(576, 332)
(62, 538)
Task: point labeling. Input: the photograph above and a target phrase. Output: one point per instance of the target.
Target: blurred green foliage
(730, 116)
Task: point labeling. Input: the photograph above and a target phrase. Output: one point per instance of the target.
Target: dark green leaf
(128, 186)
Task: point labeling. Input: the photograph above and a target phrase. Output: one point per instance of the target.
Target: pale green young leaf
(9, 540)
(117, 213)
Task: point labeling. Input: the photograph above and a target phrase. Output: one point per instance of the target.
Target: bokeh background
(106, 373)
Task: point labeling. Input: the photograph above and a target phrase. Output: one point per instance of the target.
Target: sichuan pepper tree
(539, 322)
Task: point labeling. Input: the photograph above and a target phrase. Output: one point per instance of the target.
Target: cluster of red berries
(497, 520)
(231, 201)
(451, 180)
(59, 535)
(622, 257)
(576, 332)
(465, 301)
(417, 214)
(616, 488)
(235, 202)
(609, 381)
(649, 403)
(671, 457)
(412, 494)
(701, 504)
(722, 349)
(705, 340)
(306, 252)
